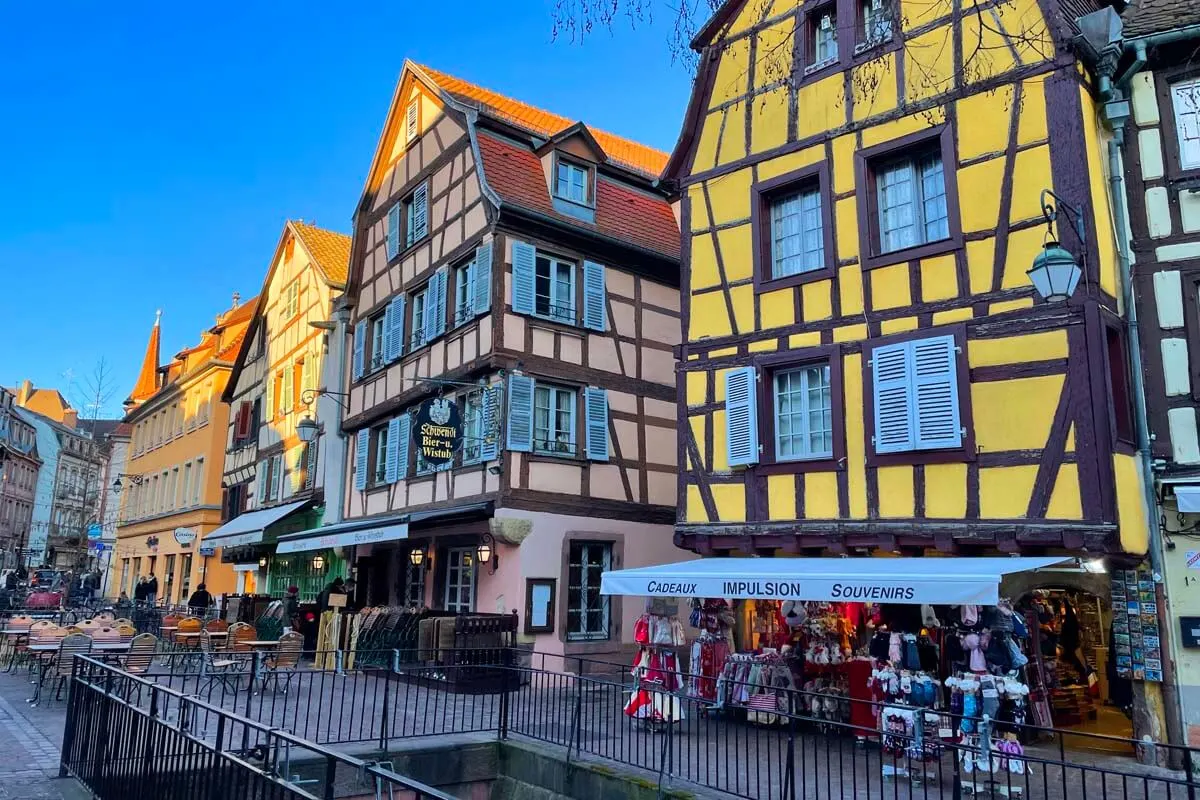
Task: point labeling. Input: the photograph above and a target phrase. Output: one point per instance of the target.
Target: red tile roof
(623, 152)
(515, 173)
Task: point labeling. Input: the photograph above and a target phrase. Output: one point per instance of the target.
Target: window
(1118, 374)
(554, 289)
(1185, 98)
(196, 493)
(186, 492)
(822, 37)
(287, 391)
(412, 120)
(571, 182)
(554, 420)
(291, 300)
(420, 308)
(124, 575)
(797, 235)
(185, 577)
(460, 580)
(465, 276)
(378, 468)
(912, 201)
(169, 579)
(378, 329)
(915, 396)
(472, 426)
(803, 413)
(876, 17)
(587, 609)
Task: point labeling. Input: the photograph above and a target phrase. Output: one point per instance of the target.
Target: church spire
(147, 382)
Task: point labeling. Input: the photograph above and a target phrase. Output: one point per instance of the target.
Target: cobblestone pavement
(29, 746)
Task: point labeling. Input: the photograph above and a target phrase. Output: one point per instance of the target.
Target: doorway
(460, 580)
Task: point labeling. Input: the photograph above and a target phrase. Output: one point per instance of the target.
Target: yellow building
(172, 487)
(867, 368)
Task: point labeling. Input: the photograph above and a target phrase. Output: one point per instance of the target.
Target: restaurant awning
(937, 581)
(248, 528)
(345, 534)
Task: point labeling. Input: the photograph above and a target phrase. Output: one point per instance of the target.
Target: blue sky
(151, 151)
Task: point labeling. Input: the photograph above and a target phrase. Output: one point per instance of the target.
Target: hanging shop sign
(438, 430)
(185, 536)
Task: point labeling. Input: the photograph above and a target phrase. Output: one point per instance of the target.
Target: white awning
(940, 581)
(344, 534)
(1187, 499)
(248, 528)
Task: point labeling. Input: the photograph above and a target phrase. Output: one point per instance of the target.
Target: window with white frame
(797, 233)
(554, 288)
(1185, 99)
(803, 413)
(823, 36)
(912, 200)
(187, 484)
(420, 309)
(465, 276)
(291, 302)
(876, 21)
(378, 329)
(571, 182)
(554, 420)
(472, 426)
(379, 440)
(587, 609)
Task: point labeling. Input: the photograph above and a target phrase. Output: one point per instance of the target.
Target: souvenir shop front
(916, 646)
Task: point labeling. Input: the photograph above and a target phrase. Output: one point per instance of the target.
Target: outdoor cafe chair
(64, 662)
(239, 634)
(283, 661)
(138, 660)
(44, 632)
(104, 616)
(215, 667)
(119, 621)
(126, 630)
(216, 626)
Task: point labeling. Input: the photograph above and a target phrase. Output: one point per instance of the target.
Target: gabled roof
(620, 151)
(515, 173)
(329, 250)
(1158, 16)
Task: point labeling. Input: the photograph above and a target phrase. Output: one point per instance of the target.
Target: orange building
(172, 487)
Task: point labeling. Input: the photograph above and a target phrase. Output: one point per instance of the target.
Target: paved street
(29, 746)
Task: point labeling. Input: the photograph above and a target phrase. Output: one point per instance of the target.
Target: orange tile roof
(331, 250)
(624, 213)
(621, 151)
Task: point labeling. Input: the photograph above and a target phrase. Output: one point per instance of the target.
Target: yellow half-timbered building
(866, 364)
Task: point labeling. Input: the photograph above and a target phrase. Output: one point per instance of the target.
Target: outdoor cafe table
(260, 645)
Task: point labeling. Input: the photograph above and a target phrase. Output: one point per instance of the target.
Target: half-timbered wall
(1038, 462)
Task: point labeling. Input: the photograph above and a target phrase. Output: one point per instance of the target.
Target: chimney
(24, 392)
(70, 418)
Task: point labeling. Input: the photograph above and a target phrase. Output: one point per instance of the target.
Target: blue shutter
(391, 460)
(595, 413)
(393, 232)
(489, 448)
(520, 413)
(481, 299)
(403, 442)
(523, 268)
(594, 305)
(393, 335)
(892, 378)
(361, 444)
(741, 416)
(360, 344)
(935, 393)
(420, 201)
(437, 296)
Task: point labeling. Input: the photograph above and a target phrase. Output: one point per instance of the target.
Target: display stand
(656, 670)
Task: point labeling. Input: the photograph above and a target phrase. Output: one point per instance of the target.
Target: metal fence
(786, 751)
(118, 746)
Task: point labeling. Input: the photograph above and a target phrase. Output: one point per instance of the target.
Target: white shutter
(892, 379)
(362, 443)
(412, 120)
(524, 267)
(595, 412)
(481, 299)
(288, 390)
(261, 480)
(594, 301)
(270, 411)
(741, 417)
(360, 347)
(420, 202)
(935, 393)
(393, 232)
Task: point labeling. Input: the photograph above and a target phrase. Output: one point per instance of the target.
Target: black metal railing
(120, 747)
(795, 748)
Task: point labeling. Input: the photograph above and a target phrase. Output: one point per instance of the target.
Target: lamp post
(1054, 273)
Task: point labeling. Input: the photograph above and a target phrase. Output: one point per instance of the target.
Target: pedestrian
(200, 601)
(152, 590)
(139, 590)
(291, 607)
(336, 586)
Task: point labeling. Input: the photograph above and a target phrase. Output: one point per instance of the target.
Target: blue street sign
(95, 530)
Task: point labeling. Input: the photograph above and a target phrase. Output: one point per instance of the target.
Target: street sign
(95, 530)
(207, 549)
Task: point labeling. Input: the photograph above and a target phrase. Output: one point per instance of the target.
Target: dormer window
(823, 37)
(571, 182)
